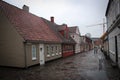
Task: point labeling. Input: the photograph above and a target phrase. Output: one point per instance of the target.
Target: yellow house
(25, 39)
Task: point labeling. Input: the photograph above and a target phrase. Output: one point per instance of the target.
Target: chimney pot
(52, 19)
(25, 8)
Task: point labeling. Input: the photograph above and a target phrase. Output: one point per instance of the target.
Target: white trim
(48, 55)
(60, 53)
(34, 58)
(113, 53)
(53, 54)
(56, 53)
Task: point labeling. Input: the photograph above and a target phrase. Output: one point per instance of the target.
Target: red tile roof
(29, 26)
(57, 28)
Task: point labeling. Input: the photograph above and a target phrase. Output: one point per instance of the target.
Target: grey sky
(72, 12)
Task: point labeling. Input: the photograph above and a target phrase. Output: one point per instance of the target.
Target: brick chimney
(67, 31)
(25, 8)
(52, 19)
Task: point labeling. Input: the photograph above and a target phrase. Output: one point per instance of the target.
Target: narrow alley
(83, 66)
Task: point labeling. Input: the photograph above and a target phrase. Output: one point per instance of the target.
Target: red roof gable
(29, 26)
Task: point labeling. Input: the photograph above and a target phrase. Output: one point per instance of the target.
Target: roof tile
(29, 26)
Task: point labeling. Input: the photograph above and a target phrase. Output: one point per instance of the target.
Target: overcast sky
(80, 13)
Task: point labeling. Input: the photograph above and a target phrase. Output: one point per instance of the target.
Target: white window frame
(34, 52)
(48, 51)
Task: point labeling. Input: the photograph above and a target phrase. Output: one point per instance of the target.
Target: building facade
(68, 45)
(24, 39)
(113, 25)
(86, 44)
(62, 31)
(75, 34)
(104, 45)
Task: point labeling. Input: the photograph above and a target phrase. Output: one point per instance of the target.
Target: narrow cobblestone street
(83, 66)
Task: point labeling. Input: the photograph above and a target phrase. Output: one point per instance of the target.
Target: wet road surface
(83, 66)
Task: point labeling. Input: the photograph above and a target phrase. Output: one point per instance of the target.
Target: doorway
(116, 49)
(41, 52)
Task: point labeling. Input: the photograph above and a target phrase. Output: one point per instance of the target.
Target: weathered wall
(68, 50)
(76, 38)
(112, 44)
(29, 61)
(11, 45)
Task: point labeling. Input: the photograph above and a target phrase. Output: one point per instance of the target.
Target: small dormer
(64, 31)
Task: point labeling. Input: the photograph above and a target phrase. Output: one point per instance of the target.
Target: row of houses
(111, 39)
(26, 39)
(86, 44)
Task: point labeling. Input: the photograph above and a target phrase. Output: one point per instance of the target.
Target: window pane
(33, 52)
(47, 49)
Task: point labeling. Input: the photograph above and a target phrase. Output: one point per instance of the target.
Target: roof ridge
(19, 8)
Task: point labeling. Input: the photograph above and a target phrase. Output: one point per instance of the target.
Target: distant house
(96, 42)
(82, 44)
(75, 34)
(86, 43)
(25, 39)
(89, 43)
(113, 25)
(68, 44)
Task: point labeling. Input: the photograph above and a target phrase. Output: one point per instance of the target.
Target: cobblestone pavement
(83, 66)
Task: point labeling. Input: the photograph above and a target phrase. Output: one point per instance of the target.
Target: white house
(75, 34)
(113, 25)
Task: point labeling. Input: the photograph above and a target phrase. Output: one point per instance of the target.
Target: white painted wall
(113, 12)
(113, 16)
(118, 48)
(77, 39)
(115, 32)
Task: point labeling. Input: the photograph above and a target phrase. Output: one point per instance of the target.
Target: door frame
(41, 54)
(116, 50)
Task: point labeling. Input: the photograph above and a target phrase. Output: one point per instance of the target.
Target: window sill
(60, 53)
(56, 53)
(48, 55)
(34, 59)
(53, 54)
